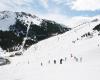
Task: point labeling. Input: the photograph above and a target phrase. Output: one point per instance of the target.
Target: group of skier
(62, 60)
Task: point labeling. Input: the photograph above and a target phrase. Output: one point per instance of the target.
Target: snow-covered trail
(32, 71)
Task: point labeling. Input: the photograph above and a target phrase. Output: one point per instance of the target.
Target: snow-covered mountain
(8, 18)
(73, 55)
(19, 29)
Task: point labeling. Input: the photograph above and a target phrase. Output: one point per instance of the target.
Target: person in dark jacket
(61, 60)
(54, 61)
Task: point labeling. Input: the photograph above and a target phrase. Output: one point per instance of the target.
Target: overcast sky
(54, 9)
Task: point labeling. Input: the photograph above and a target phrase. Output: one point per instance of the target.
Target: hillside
(20, 30)
(74, 55)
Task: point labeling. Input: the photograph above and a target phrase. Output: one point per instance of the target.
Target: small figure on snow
(41, 64)
(98, 45)
(54, 61)
(61, 61)
(80, 59)
(76, 59)
(28, 61)
(71, 55)
(65, 58)
(49, 61)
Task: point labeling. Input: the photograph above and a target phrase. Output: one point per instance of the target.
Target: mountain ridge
(16, 24)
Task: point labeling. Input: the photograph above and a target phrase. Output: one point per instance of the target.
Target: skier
(76, 58)
(71, 55)
(80, 59)
(54, 61)
(41, 64)
(61, 61)
(65, 58)
(28, 61)
(49, 61)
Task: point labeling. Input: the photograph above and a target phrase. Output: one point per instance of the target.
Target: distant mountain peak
(15, 27)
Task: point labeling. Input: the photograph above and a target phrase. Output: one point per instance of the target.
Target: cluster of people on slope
(62, 60)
